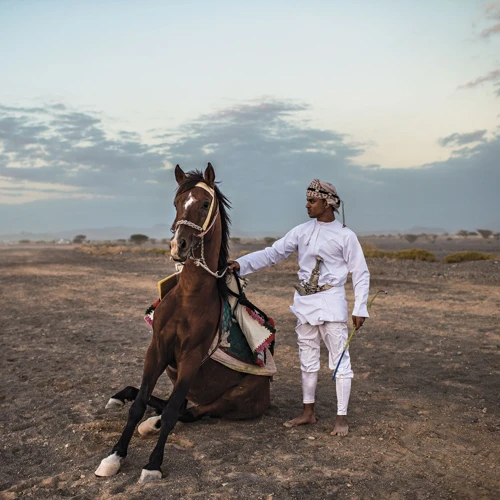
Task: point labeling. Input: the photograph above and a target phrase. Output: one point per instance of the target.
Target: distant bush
(103, 249)
(376, 254)
(79, 239)
(139, 239)
(411, 238)
(485, 233)
(156, 251)
(414, 254)
(116, 250)
(269, 240)
(236, 241)
(372, 252)
(467, 256)
(24, 242)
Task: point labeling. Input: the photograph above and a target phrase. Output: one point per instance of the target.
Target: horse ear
(180, 176)
(209, 175)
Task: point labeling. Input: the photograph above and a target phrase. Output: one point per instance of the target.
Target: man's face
(316, 207)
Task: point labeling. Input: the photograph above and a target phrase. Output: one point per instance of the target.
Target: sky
(395, 102)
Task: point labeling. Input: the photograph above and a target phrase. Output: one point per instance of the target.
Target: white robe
(341, 253)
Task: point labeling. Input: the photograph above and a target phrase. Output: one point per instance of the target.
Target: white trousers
(334, 336)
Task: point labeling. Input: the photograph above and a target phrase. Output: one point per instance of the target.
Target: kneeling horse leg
(153, 368)
(187, 371)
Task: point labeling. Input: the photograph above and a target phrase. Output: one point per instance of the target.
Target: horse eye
(206, 204)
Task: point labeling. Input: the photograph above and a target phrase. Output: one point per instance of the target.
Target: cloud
(462, 139)
(492, 12)
(55, 145)
(492, 30)
(265, 153)
(492, 76)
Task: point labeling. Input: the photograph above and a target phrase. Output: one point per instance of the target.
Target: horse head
(196, 211)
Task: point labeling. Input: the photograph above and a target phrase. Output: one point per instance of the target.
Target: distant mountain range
(93, 234)
(160, 231)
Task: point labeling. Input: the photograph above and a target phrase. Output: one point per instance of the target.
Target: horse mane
(192, 178)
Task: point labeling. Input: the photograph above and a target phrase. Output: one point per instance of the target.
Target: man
(320, 304)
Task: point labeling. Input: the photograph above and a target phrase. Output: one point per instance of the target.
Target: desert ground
(424, 410)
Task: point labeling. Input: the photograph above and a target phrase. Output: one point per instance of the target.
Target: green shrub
(467, 256)
(372, 252)
(158, 251)
(414, 254)
(375, 253)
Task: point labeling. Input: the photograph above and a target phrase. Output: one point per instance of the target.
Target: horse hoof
(114, 403)
(148, 476)
(150, 427)
(109, 466)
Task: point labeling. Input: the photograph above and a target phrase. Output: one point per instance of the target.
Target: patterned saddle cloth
(246, 337)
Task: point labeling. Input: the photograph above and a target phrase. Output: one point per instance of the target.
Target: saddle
(246, 337)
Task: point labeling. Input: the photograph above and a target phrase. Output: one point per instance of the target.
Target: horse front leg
(153, 367)
(187, 371)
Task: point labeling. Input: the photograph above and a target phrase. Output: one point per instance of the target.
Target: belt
(308, 289)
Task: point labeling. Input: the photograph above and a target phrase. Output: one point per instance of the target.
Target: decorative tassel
(343, 214)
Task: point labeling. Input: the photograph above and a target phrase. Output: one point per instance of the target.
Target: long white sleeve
(279, 251)
(356, 263)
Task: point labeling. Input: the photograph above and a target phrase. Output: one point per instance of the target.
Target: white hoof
(149, 475)
(150, 426)
(114, 403)
(109, 466)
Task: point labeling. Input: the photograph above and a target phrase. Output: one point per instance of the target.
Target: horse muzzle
(180, 247)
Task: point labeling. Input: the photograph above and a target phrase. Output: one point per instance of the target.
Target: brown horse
(184, 326)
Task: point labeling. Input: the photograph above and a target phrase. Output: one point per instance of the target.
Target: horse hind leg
(129, 394)
(249, 399)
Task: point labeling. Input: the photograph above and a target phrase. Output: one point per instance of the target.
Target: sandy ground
(424, 410)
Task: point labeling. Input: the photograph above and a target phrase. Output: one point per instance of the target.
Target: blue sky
(100, 99)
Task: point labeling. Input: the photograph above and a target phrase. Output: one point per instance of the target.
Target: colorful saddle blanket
(246, 338)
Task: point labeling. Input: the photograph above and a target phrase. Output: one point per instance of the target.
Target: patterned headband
(324, 191)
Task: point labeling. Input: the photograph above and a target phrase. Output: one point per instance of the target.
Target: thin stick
(352, 333)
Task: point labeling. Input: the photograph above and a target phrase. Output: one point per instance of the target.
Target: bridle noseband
(203, 231)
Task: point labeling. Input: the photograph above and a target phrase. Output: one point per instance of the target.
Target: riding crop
(352, 333)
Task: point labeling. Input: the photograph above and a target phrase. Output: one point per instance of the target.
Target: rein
(200, 261)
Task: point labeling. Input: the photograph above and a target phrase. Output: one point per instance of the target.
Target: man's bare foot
(341, 427)
(308, 417)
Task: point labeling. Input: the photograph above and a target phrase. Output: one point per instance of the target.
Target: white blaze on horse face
(174, 247)
(191, 199)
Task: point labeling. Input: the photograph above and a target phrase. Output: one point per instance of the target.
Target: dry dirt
(424, 410)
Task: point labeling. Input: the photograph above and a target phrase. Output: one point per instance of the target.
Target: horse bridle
(200, 261)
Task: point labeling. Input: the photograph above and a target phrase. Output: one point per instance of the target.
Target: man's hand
(232, 266)
(358, 321)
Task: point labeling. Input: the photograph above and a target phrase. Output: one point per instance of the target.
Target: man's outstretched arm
(279, 251)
